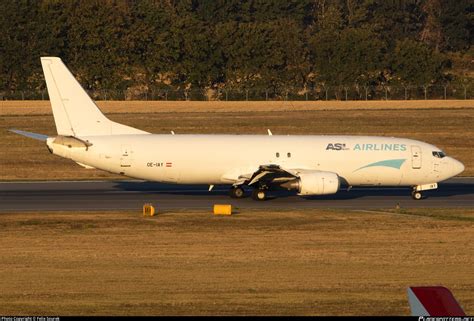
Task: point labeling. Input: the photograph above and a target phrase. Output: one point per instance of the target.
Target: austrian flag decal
(169, 164)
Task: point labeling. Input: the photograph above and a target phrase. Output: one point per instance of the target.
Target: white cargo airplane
(309, 165)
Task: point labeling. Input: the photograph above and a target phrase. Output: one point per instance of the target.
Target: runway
(128, 195)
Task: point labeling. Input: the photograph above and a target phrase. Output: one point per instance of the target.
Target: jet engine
(314, 183)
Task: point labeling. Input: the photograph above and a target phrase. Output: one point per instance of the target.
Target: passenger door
(416, 158)
(126, 157)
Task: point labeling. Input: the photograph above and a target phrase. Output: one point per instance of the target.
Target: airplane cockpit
(439, 154)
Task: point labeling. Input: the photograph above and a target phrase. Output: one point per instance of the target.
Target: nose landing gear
(416, 195)
(418, 189)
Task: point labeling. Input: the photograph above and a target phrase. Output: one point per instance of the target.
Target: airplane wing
(433, 301)
(270, 174)
(29, 134)
(304, 181)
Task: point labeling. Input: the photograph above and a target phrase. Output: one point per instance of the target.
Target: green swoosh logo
(393, 163)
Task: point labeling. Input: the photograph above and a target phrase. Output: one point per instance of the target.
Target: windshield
(439, 154)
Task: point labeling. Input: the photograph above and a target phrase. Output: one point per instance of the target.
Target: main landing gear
(259, 194)
(236, 192)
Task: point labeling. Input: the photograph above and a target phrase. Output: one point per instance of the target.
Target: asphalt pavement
(128, 195)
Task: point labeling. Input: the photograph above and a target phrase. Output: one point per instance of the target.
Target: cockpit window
(439, 154)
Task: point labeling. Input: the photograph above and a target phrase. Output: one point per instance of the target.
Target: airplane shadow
(444, 190)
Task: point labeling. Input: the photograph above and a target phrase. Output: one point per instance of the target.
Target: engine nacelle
(315, 183)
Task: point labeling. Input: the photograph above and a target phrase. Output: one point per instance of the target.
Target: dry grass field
(306, 262)
(449, 128)
(39, 107)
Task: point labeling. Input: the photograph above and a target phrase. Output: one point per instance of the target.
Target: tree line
(278, 45)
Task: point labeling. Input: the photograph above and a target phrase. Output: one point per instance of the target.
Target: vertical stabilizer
(433, 301)
(75, 113)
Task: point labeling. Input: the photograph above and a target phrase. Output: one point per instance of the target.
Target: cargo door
(416, 157)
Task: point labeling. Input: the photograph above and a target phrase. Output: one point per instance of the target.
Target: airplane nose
(457, 167)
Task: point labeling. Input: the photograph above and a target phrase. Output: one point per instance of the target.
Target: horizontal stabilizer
(85, 166)
(29, 134)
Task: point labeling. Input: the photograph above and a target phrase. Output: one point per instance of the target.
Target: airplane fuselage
(221, 159)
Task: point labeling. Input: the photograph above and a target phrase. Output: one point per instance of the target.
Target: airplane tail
(75, 113)
(433, 301)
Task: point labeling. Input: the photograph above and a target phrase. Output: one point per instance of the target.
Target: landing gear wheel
(416, 195)
(236, 192)
(259, 194)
